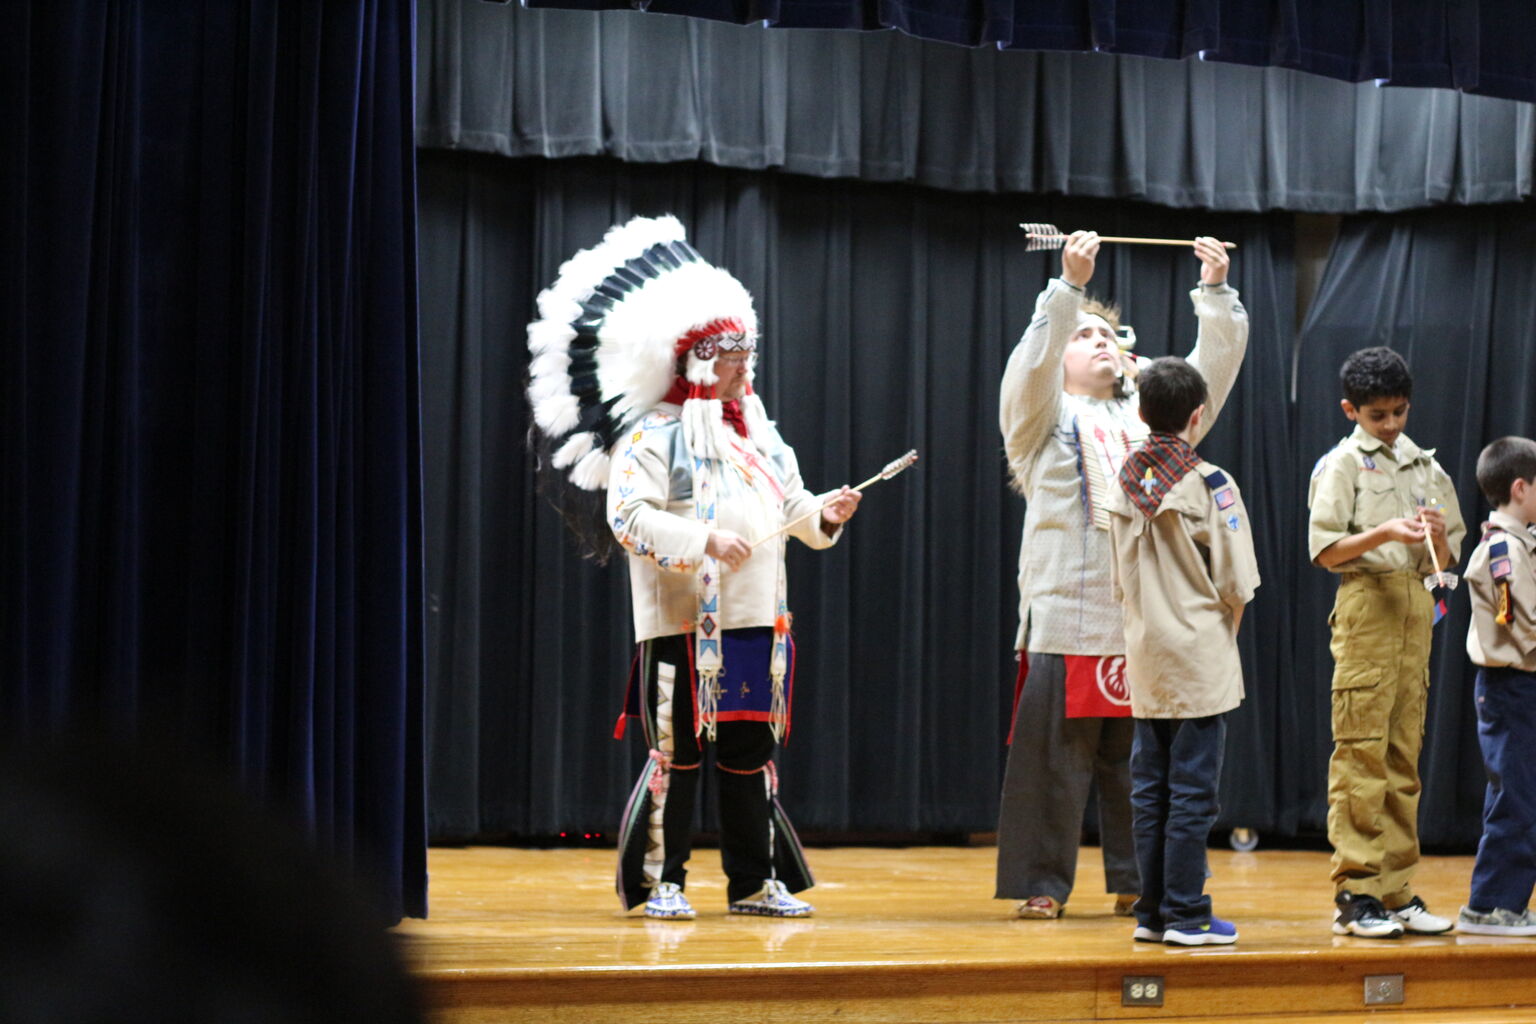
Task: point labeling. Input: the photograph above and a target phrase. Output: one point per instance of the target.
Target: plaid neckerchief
(1151, 471)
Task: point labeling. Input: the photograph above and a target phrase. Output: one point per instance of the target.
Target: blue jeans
(1175, 768)
(1505, 869)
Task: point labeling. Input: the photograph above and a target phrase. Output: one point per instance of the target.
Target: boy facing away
(1183, 570)
(1502, 642)
(1378, 504)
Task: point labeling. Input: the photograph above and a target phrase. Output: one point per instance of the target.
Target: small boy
(1183, 569)
(1379, 502)
(1502, 642)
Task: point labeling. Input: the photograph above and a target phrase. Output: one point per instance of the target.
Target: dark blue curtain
(210, 482)
(1481, 46)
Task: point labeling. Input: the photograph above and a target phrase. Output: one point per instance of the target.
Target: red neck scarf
(682, 390)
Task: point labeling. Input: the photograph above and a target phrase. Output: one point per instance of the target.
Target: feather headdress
(612, 330)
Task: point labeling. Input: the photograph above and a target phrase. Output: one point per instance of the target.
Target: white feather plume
(574, 448)
(591, 471)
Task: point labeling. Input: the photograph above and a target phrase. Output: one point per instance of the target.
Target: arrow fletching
(1043, 236)
(897, 465)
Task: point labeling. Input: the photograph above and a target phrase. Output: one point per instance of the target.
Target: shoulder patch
(1225, 498)
(1233, 522)
(1320, 464)
(1214, 479)
(1500, 568)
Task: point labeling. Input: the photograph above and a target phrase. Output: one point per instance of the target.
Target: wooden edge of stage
(1197, 984)
(913, 935)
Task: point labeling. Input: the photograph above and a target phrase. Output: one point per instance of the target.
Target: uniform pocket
(1360, 705)
(1375, 500)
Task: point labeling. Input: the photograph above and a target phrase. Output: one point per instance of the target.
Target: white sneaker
(1496, 922)
(1416, 918)
(668, 903)
(772, 900)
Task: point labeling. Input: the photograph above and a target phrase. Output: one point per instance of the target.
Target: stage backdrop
(888, 312)
(210, 482)
(886, 107)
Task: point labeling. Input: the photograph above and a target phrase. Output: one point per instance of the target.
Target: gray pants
(1045, 789)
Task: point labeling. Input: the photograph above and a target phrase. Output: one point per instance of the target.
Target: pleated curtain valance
(882, 106)
(1479, 46)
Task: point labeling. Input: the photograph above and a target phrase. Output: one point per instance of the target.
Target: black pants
(742, 753)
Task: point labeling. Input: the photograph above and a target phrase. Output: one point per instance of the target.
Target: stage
(911, 934)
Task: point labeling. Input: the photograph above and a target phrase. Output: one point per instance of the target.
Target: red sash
(1096, 686)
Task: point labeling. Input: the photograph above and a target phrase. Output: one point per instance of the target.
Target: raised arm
(1223, 334)
(1030, 400)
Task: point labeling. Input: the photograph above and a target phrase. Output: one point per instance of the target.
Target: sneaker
(1364, 916)
(772, 900)
(1146, 933)
(668, 903)
(1416, 918)
(1217, 933)
(1125, 904)
(1496, 922)
(1040, 908)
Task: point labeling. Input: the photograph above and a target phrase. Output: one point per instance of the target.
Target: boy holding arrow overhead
(1069, 418)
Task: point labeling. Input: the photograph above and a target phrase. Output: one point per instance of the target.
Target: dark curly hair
(1373, 373)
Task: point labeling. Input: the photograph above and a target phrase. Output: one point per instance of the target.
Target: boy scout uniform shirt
(1490, 643)
(1181, 577)
(1361, 484)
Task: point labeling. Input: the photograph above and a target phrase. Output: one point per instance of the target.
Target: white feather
(591, 472)
(551, 364)
(577, 446)
(550, 336)
(701, 371)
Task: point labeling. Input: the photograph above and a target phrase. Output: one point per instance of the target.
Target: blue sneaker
(1217, 933)
(1146, 933)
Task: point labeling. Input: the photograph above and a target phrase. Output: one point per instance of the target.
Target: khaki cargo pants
(1381, 633)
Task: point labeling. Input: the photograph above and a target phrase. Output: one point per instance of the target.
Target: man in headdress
(642, 389)
(1069, 418)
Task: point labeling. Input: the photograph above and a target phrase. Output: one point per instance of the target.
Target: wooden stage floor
(911, 934)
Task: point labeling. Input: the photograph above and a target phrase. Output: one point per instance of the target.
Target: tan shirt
(1361, 484)
(1064, 602)
(1181, 577)
(650, 503)
(1488, 643)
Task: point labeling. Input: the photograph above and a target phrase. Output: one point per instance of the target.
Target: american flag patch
(1224, 498)
(1500, 568)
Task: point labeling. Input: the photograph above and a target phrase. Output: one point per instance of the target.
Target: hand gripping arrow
(891, 469)
(1049, 236)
